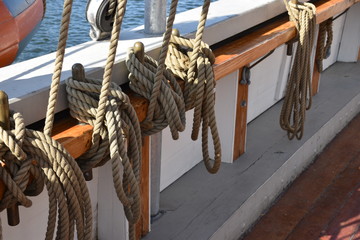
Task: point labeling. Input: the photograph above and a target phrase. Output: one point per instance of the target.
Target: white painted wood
(181, 155)
(350, 41)
(268, 80)
(225, 109)
(178, 157)
(111, 220)
(338, 26)
(33, 220)
(283, 73)
(27, 82)
(262, 198)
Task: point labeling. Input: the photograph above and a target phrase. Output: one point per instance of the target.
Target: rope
(191, 60)
(150, 79)
(298, 92)
(323, 47)
(55, 82)
(27, 152)
(116, 135)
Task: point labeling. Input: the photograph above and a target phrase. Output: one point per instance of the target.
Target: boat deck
(324, 202)
(223, 206)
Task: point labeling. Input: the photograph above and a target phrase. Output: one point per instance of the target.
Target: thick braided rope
(152, 80)
(103, 105)
(298, 92)
(191, 60)
(26, 152)
(120, 123)
(323, 47)
(64, 28)
(100, 113)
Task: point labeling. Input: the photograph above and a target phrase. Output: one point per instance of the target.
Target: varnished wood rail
(229, 58)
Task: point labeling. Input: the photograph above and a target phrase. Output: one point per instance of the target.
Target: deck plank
(314, 199)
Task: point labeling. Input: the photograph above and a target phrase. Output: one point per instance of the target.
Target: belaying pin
(245, 76)
(13, 211)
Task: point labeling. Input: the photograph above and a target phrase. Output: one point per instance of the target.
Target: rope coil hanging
(323, 47)
(298, 91)
(150, 79)
(191, 60)
(116, 135)
(26, 153)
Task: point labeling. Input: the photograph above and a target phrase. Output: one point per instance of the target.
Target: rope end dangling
(13, 211)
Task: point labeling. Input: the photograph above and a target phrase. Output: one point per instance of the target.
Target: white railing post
(155, 158)
(155, 16)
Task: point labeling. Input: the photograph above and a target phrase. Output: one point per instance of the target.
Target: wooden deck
(324, 202)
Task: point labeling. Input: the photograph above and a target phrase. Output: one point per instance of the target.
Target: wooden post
(142, 227)
(13, 211)
(241, 118)
(78, 73)
(316, 73)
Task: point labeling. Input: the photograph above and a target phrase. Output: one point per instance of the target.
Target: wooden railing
(230, 57)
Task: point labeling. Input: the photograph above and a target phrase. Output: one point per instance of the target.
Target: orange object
(16, 29)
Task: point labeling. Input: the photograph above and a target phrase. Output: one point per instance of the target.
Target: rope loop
(191, 60)
(323, 47)
(298, 91)
(120, 138)
(116, 135)
(169, 109)
(28, 154)
(150, 79)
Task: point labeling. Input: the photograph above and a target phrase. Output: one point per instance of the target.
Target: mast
(155, 16)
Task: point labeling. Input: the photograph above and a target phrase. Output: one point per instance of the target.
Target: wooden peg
(13, 211)
(78, 72)
(295, 1)
(139, 51)
(175, 32)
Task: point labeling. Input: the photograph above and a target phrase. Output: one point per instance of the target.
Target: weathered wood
(241, 118)
(326, 9)
(142, 228)
(229, 58)
(76, 139)
(252, 46)
(316, 73)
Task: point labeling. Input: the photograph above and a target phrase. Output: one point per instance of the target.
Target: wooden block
(76, 139)
(316, 73)
(254, 45)
(241, 119)
(142, 228)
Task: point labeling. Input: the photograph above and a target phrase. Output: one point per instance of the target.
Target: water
(46, 38)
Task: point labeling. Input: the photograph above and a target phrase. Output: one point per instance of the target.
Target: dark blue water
(46, 38)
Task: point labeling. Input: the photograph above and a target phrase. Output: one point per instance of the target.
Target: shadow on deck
(223, 206)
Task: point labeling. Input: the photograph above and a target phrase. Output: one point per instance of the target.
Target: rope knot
(160, 87)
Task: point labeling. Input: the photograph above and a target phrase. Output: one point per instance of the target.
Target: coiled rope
(47, 161)
(191, 60)
(103, 105)
(298, 91)
(323, 47)
(150, 79)
(25, 152)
